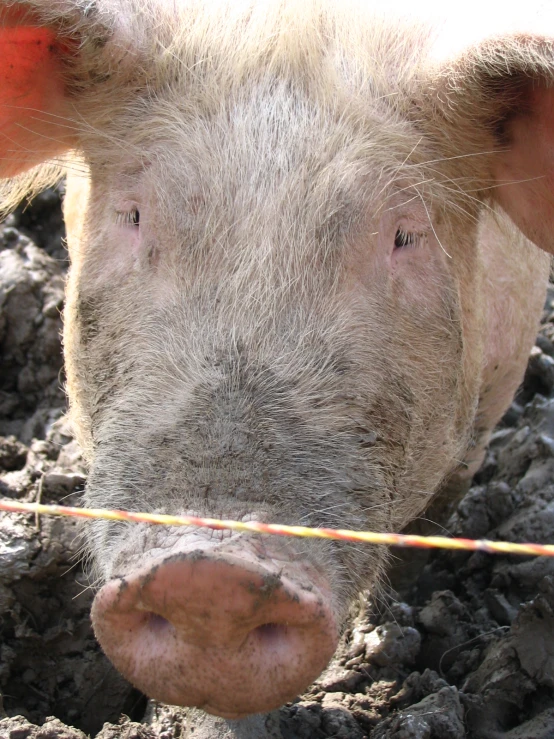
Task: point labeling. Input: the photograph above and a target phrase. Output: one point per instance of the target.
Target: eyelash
(406, 238)
(127, 217)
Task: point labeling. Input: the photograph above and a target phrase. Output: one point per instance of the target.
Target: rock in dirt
(539, 727)
(438, 716)
(31, 299)
(19, 728)
(514, 669)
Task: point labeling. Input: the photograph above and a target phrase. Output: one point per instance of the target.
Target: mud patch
(465, 652)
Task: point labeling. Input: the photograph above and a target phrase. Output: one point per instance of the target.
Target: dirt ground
(467, 651)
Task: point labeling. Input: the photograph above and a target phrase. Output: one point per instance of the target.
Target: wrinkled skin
(279, 308)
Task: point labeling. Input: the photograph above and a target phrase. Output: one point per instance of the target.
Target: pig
(309, 248)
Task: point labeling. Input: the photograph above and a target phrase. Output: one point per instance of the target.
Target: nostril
(270, 634)
(156, 623)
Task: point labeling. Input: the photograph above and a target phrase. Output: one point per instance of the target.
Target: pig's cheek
(418, 275)
(130, 248)
(117, 256)
(408, 262)
(407, 266)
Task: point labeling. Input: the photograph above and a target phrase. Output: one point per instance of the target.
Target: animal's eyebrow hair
(126, 178)
(135, 169)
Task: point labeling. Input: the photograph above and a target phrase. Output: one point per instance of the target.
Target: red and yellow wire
(257, 527)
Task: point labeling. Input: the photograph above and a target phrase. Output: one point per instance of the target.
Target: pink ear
(33, 104)
(525, 171)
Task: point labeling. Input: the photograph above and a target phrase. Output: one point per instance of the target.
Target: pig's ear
(498, 96)
(33, 102)
(56, 57)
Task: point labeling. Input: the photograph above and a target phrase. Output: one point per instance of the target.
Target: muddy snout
(227, 632)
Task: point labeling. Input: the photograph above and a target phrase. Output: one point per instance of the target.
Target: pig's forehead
(305, 63)
(266, 135)
(279, 93)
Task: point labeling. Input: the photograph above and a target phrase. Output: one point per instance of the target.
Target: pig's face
(264, 322)
(275, 307)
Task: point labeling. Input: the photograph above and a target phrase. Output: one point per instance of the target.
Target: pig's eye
(406, 238)
(128, 217)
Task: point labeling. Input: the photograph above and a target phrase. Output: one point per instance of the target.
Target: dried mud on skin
(468, 651)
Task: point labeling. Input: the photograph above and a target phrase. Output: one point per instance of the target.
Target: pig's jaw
(233, 634)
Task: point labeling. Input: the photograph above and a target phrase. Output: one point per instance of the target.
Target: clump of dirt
(464, 652)
(31, 298)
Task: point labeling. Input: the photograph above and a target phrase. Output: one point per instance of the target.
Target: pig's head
(273, 309)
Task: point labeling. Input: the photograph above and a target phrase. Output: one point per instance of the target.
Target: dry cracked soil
(466, 649)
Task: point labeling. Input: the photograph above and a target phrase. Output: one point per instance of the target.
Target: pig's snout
(227, 633)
